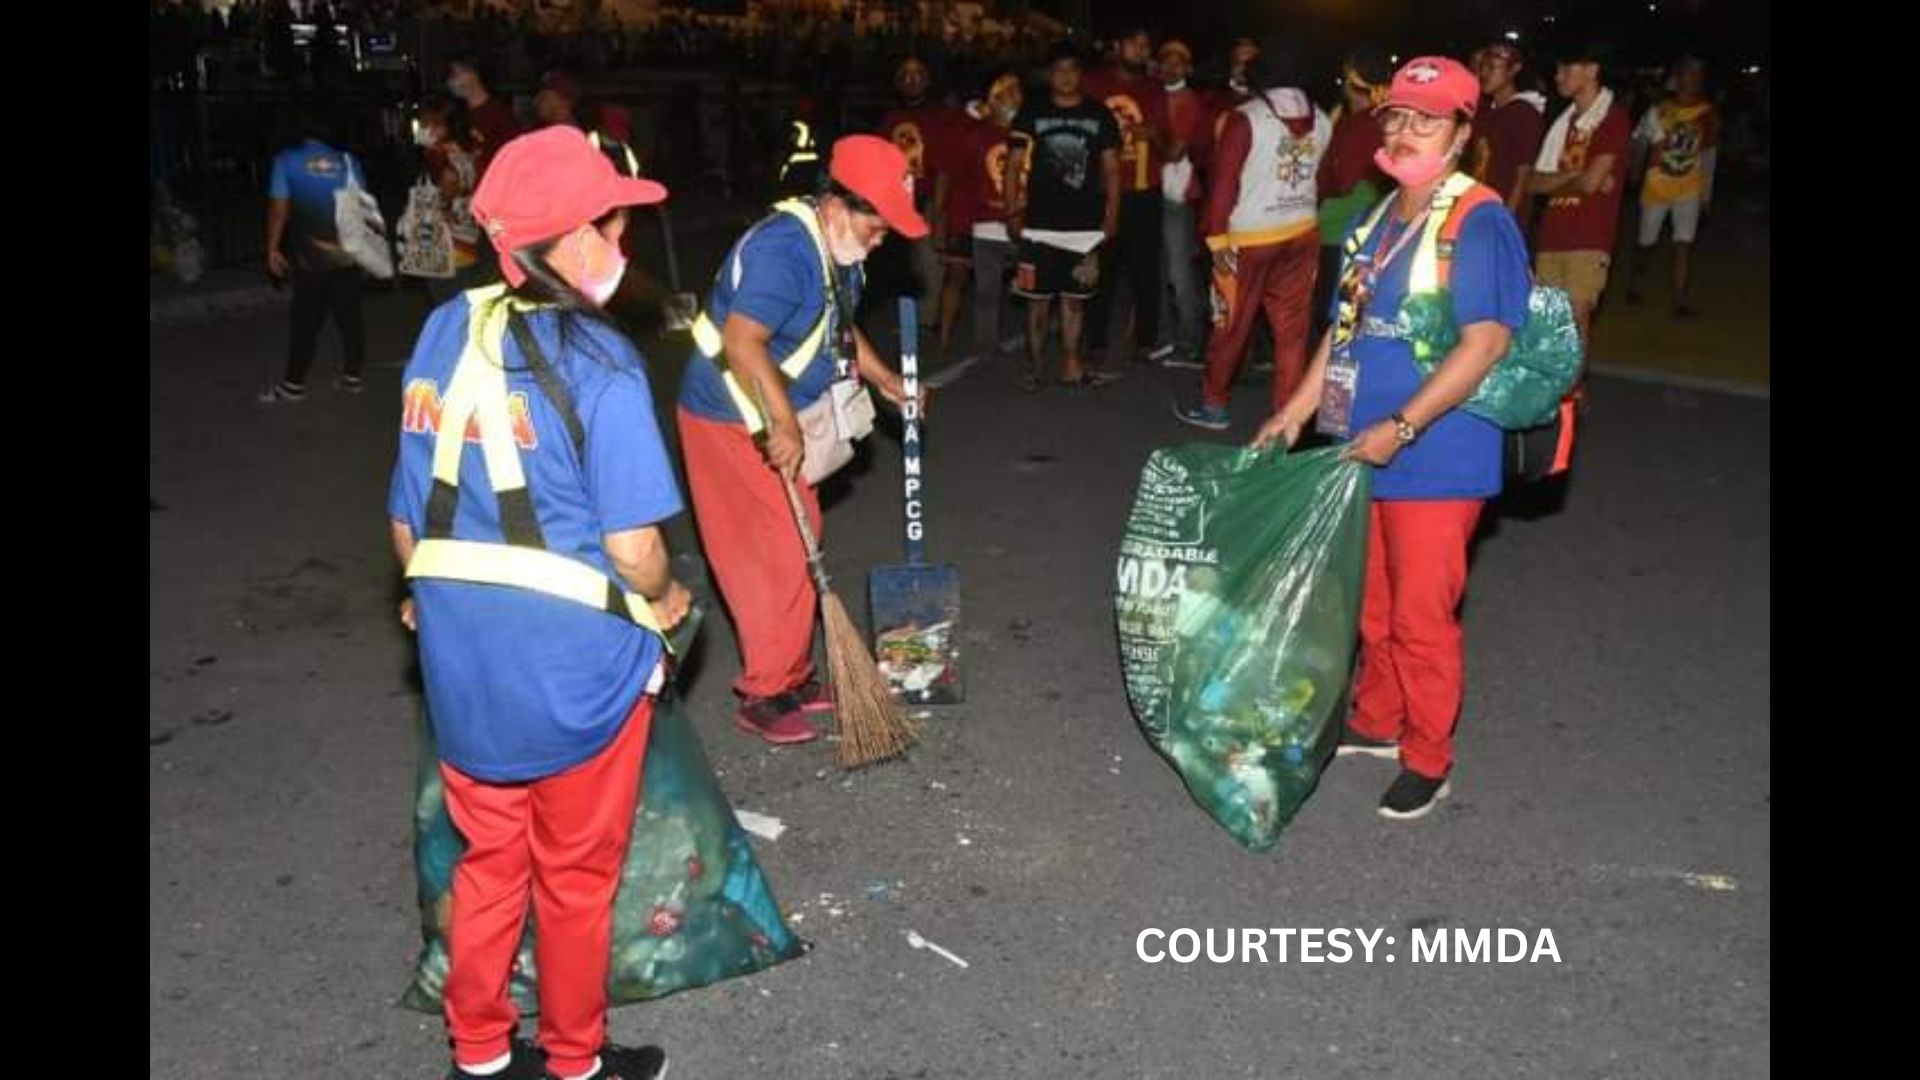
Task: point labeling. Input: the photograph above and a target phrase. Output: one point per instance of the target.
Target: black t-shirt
(1065, 186)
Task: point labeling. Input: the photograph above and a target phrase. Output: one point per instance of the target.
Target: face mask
(1176, 87)
(457, 87)
(845, 250)
(602, 290)
(1412, 170)
(423, 136)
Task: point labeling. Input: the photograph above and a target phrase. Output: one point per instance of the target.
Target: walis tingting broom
(872, 727)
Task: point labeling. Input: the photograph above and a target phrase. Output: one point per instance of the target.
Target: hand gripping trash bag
(693, 907)
(1237, 600)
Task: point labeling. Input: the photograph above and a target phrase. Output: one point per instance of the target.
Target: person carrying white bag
(310, 184)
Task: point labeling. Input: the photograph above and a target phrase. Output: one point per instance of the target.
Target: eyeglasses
(1395, 121)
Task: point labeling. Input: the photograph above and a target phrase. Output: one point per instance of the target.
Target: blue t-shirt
(1458, 455)
(772, 276)
(307, 176)
(521, 685)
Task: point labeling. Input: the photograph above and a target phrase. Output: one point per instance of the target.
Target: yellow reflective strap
(478, 391)
(1424, 277)
(460, 402)
(532, 569)
(1359, 238)
(706, 336)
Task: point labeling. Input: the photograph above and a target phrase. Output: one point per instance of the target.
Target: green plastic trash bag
(1238, 602)
(1539, 368)
(693, 906)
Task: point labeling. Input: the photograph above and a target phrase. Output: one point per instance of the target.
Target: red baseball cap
(548, 184)
(875, 169)
(1435, 85)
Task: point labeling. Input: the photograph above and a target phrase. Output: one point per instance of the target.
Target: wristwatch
(1403, 429)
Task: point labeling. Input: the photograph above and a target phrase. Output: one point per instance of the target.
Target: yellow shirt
(1683, 132)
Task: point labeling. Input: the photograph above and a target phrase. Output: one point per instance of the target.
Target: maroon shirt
(1506, 139)
(921, 132)
(1133, 101)
(974, 161)
(1589, 222)
(1349, 158)
(494, 126)
(1191, 115)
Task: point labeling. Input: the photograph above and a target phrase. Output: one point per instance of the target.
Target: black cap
(1371, 65)
(1282, 62)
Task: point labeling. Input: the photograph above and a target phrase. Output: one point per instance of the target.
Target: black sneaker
(1412, 795)
(527, 1064)
(352, 384)
(630, 1063)
(1352, 742)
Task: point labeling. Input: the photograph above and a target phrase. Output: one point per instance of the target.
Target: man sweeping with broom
(772, 400)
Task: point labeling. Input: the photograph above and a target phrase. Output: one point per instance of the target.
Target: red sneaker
(779, 720)
(813, 697)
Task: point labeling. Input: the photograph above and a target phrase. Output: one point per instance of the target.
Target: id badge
(845, 353)
(1336, 395)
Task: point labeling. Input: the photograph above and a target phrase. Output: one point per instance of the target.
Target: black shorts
(1045, 272)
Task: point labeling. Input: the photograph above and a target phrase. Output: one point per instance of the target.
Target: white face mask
(843, 247)
(1176, 87)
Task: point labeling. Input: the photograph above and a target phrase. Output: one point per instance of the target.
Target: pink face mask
(602, 290)
(1411, 170)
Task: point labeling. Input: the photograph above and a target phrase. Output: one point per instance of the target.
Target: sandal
(1092, 380)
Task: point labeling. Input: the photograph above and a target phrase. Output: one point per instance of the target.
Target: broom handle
(816, 567)
(910, 433)
(815, 564)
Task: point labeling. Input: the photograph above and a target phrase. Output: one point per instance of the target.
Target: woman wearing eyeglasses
(1445, 235)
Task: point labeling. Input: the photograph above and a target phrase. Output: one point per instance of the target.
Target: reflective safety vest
(804, 151)
(1432, 270)
(706, 336)
(618, 152)
(477, 394)
(1433, 256)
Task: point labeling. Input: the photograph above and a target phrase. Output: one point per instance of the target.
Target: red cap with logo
(875, 169)
(1435, 85)
(547, 184)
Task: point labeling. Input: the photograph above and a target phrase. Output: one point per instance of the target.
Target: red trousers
(754, 550)
(1412, 657)
(1277, 279)
(562, 841)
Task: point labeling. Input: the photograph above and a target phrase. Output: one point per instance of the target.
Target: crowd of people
(1220, 208)
(782, 41)
(1224, 209)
